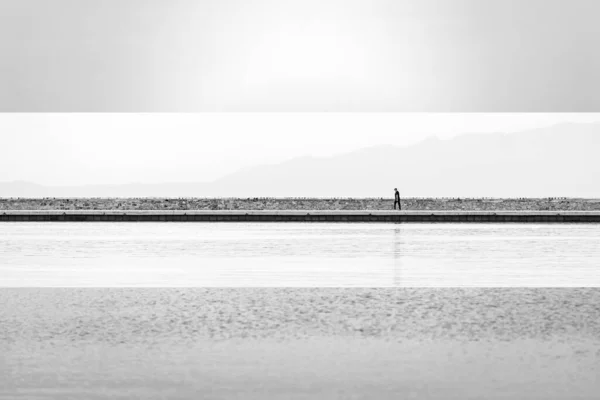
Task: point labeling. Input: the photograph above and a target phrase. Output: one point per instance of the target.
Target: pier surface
(298, 216)
(557, 204)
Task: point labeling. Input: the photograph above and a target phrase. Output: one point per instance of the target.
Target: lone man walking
(397, 199)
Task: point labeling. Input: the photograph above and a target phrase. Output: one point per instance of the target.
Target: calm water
(289, 254)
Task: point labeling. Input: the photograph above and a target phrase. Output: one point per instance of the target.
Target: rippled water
(298, 254)
(299, 343)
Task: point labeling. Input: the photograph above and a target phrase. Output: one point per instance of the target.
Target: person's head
(395, 189)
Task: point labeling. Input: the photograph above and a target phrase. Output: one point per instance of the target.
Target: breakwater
(557, 204)
(299, 216)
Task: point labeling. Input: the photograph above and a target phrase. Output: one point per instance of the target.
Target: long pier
(299, 216)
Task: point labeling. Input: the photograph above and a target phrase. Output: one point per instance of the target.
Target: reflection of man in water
(397, 199)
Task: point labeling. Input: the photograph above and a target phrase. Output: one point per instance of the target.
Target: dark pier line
(300, 216)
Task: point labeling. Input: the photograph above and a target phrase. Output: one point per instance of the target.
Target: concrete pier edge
(298, 216)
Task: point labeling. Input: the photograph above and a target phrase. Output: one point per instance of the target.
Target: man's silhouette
(397, 199)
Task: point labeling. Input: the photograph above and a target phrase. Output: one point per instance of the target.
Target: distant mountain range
(562, 161)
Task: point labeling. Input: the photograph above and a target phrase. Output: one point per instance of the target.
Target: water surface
(299, 343)
(298, 254)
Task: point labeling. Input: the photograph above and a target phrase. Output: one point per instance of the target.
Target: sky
(104, 148)
(299, 55)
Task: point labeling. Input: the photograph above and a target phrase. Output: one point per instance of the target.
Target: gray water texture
(299, 343)
(298, 255)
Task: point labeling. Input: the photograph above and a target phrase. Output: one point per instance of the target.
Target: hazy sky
(302, 55)
(72, 148)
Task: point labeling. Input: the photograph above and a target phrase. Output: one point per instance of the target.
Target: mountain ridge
(557, 161)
